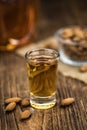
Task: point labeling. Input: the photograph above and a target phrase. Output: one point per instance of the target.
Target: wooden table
(14, 81)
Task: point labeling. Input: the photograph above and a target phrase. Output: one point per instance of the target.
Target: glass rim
(27, 54)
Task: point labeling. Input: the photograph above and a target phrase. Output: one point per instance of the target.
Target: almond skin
(25, 102)
(25, 114)
(14, 99)
(67, 101)
(11, 106)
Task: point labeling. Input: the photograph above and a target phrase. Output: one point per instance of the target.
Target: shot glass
(42, 67)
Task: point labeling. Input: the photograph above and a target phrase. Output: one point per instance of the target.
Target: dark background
(55, 14)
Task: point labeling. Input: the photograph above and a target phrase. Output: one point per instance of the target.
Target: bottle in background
(18, 22)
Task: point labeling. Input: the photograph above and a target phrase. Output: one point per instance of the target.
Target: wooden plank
(3, 123)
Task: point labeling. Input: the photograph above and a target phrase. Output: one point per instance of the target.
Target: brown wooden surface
(14, 81)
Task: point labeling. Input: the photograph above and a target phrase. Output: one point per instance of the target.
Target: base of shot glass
(42, 102)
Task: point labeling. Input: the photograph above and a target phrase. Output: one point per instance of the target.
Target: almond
(25, 102)
(14, 99)
(67, 101)
(68, 32)
(83, 68)
(79, 33)
(25, 114)
(11, 106)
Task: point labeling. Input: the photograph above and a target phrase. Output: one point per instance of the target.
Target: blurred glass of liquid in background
(18, 23)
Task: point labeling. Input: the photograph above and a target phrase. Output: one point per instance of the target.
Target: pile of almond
(11, 103)
(76, 34)
(74, 41)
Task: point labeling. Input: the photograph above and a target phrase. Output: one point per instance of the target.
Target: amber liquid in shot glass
(42, 67)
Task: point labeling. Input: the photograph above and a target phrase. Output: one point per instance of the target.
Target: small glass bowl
(72, 45)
